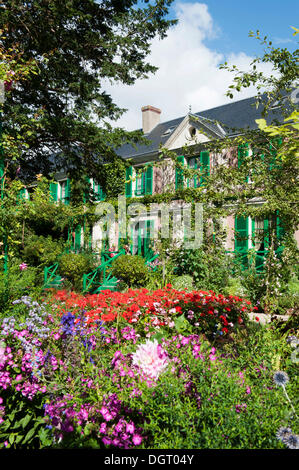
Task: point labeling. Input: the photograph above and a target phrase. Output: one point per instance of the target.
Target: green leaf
(29, 435)
(25, 420)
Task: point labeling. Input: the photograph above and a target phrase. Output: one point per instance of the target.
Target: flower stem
(284, 389)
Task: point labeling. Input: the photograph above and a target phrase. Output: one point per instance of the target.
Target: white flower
(151, 358)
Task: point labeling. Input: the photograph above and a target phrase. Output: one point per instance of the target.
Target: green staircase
(51, 279)
(101, 279)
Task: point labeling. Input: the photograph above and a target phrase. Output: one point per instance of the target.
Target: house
(195, 130)
(147, 175)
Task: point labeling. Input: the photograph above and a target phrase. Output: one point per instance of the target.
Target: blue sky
(207, 34)
(235, 18)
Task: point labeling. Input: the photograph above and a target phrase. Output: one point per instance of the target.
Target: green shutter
(77, 244)
(241, 238)
(67, 192)
(149, 180)
(148, 252)
(204, 166)
(86, 191)
(98, 192)
(179, 174)
(54, 191)
(129, 183)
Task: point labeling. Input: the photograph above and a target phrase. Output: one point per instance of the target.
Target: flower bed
(206, 311)
(134, 369)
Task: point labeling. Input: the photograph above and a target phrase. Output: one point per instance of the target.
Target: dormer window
(168, 131)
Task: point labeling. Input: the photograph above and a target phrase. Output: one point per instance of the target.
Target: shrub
(130, 269)
(235, 287)
(18, 282)
(42, 251)
(74, 265)
(184, 282)
(209, 269)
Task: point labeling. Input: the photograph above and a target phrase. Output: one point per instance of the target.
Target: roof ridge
(204, 111)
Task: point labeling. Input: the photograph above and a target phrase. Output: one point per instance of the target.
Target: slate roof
(232, 117)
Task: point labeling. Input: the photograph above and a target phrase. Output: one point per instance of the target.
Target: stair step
(55, 282)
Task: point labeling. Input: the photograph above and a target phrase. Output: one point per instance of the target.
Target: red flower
(257, 318)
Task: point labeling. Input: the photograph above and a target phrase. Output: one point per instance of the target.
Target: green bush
(209, 268)
(72, 266)
(131, 269)
(17, 283)
(235, 287)
(183, 282)
(42, 251)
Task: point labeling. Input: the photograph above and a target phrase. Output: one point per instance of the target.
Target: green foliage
(131, 269)
(235, 287)
(237, 406)
(209, 268)
(72, 266)
(183, 282)
(42, 251)
(107, 41)
(16, 283)
(24, 426)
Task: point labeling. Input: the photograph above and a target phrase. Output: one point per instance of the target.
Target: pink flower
(151, 358)
(137, 439)
(23, 266)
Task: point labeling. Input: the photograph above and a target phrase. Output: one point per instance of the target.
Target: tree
(78, 45)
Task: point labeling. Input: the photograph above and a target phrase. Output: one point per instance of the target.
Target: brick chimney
(150, 118)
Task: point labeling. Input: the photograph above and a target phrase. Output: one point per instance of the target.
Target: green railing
(49, 274)
(92, 278)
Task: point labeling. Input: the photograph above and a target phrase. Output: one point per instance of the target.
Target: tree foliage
(78, 46)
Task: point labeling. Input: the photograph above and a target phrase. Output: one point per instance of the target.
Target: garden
(190, 349)
(160, 368)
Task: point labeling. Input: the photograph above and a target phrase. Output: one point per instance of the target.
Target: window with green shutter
(128, 189)
(194, 164)
(179, 173)
(201, 163)
(54, 191)
(65, 191)
(260, 240)
(98, 191)
(204, 166)
(77, 240)
(144, 181)
(149, 180)
(140, 183)
(241, 239)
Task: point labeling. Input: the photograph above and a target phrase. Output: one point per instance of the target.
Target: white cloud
(188, 72)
